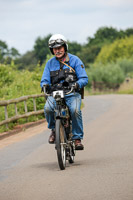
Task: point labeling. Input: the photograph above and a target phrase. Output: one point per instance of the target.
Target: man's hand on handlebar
(76, 86)
(46, 88)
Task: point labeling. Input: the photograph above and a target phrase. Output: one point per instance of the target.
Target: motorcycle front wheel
(60, 144)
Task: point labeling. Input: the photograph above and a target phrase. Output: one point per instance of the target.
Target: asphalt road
(103, 171)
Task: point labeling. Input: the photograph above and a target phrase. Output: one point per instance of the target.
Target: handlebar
(47, 94)
(72, 89)
(44, 90)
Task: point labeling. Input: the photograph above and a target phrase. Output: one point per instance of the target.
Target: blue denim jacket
(53, 64)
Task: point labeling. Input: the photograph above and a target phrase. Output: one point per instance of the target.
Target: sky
(23, 21)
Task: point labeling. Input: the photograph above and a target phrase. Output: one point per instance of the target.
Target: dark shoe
(78, 145)
(52, 137)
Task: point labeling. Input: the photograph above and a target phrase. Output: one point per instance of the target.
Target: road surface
(103, 171)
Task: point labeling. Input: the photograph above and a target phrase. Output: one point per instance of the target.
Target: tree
(7, 55)
(103, 35)
(3, 50)
(120, 48)
(74, 47)
(129, 31)
(41, 48)
(27, 61)
(88, 54)
(106, 33)
(11, 55)
(14, 53)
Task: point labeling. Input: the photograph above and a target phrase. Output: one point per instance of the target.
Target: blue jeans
(73, 102)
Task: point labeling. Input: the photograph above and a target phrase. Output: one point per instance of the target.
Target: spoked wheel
(60, 144)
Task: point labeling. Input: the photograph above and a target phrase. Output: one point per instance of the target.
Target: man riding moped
(64, 67)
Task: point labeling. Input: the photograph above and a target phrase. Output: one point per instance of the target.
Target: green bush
(111, 75)
(126, 65)
(6, 75)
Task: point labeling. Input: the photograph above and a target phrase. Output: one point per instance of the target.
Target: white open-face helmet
(57, 40)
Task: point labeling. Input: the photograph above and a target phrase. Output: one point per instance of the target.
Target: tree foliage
(120, 48)
(3, 50)
(88, 54)
(6, 77)
(74, 47)
(6, 54)
(41, 48)
(14, 53)
(27, 61)
(126, 65)
(103, 36)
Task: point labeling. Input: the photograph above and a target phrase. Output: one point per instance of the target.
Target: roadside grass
(126, 87)
(99, 92)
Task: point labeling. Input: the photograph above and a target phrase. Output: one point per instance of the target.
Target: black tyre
(60, 144)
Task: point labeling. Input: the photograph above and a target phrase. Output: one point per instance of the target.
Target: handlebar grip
(45, 89)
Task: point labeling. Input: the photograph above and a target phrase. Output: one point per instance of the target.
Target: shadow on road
(53, 166)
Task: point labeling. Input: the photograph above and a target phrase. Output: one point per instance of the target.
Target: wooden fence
(17, 116)
(101, 86)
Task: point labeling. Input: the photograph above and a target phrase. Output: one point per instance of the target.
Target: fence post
(93, 86)
(26, 110)
(25, 106)
(6, 116)
(34, 103)
(16, 110)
